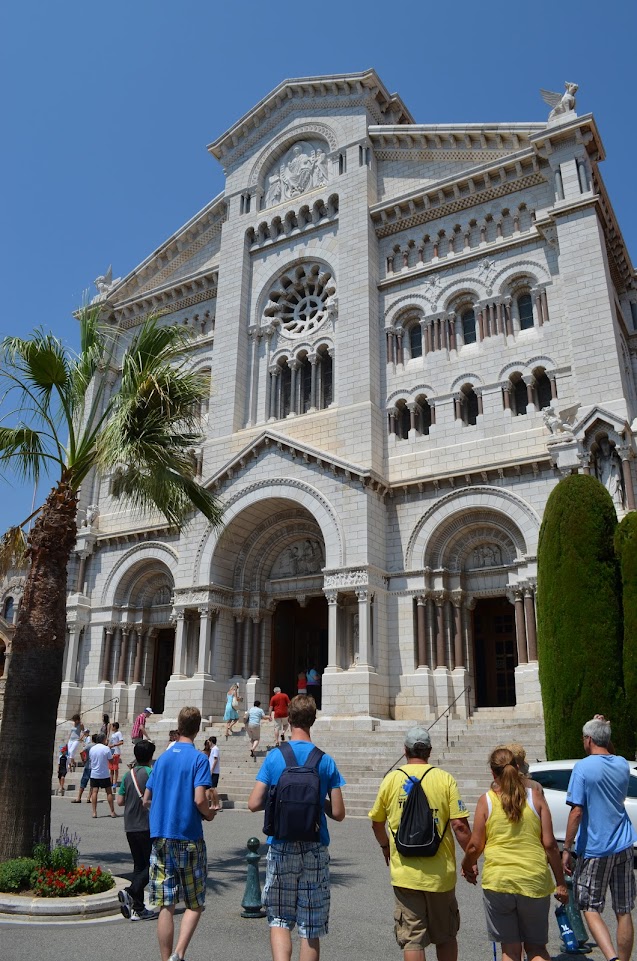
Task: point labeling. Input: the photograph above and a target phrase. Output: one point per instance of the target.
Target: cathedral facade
(411, 333)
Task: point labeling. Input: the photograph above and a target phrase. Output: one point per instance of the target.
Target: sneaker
(283, 737)
(175, 957)
(125, 903)
(143, 915)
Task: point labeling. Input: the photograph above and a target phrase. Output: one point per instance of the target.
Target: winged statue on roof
(560, 102)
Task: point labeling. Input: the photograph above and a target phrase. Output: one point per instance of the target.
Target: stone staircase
(364, 756)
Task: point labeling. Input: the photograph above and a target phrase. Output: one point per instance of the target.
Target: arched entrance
(495, 652)
(299, 642)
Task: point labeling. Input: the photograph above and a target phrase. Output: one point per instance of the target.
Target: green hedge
(579, 617)
(15, 875)
(626, 548)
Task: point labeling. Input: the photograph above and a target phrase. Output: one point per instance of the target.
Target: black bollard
(251, 904)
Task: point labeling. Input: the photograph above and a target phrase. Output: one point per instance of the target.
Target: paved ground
(361, 915)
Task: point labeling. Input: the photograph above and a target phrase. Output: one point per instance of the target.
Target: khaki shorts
(281, 724)
(422, 918)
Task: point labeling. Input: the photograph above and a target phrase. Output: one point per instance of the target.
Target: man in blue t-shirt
(176, 797)
(297, 883)
(605, 837)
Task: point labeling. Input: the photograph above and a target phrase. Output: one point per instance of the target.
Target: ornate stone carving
(557, 423)
(608, 471)
(302, 300)
(343, 579)
(299, 559)
(486, 555)
(302, 168)
(560, 102)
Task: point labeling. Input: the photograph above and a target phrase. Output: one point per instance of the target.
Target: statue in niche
(487, 555)
(299, 559)
(608, 471)
(302, 168)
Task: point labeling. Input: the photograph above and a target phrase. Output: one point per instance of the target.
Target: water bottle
(569, 940)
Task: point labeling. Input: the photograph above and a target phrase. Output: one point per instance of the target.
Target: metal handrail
(111, 700)
(467, 690)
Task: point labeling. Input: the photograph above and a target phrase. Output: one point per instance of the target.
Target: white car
(554, 777)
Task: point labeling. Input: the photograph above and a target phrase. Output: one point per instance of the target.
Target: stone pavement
(361, 926)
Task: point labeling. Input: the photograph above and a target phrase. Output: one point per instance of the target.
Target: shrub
(626, 548)
(579, 616)
(63, 855)
(15, 875)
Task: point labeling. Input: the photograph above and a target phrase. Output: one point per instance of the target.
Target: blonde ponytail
(512, 787)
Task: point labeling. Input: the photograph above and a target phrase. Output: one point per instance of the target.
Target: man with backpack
(423, 810)
(297, 786)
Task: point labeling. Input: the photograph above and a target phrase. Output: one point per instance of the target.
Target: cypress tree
(626, 548)
(579, 615)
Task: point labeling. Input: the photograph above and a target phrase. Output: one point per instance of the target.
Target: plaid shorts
(297, 887)
(178, 869)
(593, 876)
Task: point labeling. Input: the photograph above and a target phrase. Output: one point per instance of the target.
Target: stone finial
(562, 103)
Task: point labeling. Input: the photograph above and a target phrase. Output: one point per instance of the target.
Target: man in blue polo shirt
(605, 837)
(297, 883)
(176, 797)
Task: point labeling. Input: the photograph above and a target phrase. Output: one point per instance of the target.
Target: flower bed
(47, 883)
(53, 871)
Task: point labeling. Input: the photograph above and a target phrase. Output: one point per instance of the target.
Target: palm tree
(68, 421)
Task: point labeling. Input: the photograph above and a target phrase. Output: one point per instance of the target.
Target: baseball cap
(148, 710)
(417, 735)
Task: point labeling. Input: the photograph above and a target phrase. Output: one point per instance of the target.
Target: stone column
(255, 659)
(520, 628)
(139, 655)
(545, 304)
(70, 670)
(627, 476)
(431, 631)
(480, 324)
(421, 631)
(399, 346)
(441, 654)
(237, 660)
(413, 411)
(457, 408)
(506, 395)
(180, 644)
(363, 596)
(123, 656)
(108, 650)
(453, 344)
(393, 420)
(458, 646)
(390, 346)
(294, 365)
(428, 338)
(247, 647)
(531, 635)
(313, 359)
(529, 380)
(552, 376)
(508, 323)
(203, 653)
(332, 631)
(478, 393)
(272, 411)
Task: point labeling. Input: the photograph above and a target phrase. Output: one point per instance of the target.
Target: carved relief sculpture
(303, 168)
(609, 472)
(560, 102)
(299, 559)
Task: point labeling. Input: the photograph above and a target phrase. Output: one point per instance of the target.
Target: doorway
(495, 652)
(162, 667)
(299, 642)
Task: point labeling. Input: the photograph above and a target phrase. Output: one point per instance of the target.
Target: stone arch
(459, 533)
(528, 270)
(417, 303)
(149, 556)
(508, 507)
(469, 378)
(466, 287)
(279, 489)
(277, 147)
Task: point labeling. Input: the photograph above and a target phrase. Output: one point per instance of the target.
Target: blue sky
(107, 110)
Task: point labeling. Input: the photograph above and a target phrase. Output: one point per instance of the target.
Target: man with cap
(425, 906)
(279, 714)
(139, 732)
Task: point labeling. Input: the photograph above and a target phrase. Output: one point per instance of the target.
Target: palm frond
(94, 353)
(23, 449)
(41, 359)
(13, 546)
(170, 491)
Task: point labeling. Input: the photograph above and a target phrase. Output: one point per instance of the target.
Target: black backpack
(417, 835)
(294, 804)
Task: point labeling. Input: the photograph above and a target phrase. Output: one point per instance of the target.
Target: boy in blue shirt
(297, 884)
(176, 797)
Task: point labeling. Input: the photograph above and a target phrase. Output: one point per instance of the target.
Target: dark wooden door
(495, 652)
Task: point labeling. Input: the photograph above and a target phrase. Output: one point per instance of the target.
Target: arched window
(305, 385)
(403, 421)
(325, 375)
(415, 340)
(469, 327)
(8, 610)
(425, 415)
(469, 405)
(525, 311)
(519, 395)
(543, 391)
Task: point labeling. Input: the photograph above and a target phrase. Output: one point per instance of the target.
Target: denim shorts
(297, 887)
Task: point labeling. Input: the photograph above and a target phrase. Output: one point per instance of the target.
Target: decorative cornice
(453, 194)
(194, 289)
(451, 142)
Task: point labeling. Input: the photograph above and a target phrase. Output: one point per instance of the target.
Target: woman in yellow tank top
(513, 827)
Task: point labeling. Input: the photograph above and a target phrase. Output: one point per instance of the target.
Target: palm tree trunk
(34, 680)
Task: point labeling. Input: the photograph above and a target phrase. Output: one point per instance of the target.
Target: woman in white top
(74, 740)
(253, 726)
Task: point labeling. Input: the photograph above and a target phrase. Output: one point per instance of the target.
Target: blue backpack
(294, 804)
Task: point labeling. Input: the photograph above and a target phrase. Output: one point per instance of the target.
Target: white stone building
(385, 308)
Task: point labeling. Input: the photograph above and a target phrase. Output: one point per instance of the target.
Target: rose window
(302, 301)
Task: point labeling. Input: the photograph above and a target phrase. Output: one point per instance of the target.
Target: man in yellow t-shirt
(425, 910)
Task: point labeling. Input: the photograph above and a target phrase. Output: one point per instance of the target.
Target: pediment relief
(302, 168)
(299, 559)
